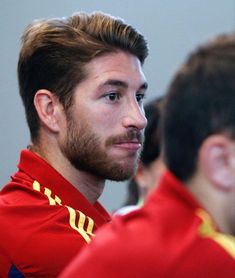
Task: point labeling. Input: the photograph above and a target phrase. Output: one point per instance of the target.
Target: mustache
(132, 134)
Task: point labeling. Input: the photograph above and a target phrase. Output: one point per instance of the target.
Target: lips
(134, 145)
(132, 140)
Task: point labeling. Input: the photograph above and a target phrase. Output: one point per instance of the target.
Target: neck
(89, 185)
(216, 202)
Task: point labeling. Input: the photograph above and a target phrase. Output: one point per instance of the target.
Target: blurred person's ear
(217, 161)
(142, 180)
(141, 176)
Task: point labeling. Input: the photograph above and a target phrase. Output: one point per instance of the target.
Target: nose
(135, 117)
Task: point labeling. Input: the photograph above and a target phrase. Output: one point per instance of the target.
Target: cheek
(105, 122)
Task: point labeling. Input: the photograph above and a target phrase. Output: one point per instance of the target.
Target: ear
(216, 160)
(48, 108)
(141, 177)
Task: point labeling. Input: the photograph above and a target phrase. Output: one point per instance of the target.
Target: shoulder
(128, 248)
(124, 248)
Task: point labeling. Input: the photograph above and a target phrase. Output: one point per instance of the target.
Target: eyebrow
(119, 83)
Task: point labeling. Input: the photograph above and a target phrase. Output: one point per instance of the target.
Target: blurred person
(151, 164)
(82, 86)
(187, 226)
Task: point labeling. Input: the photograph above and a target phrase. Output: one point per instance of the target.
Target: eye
(140, 97)
(113, 96)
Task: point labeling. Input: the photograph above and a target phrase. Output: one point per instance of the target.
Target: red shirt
(44, 220)
(171, 236)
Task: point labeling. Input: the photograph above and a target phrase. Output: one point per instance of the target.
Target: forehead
(118, 65)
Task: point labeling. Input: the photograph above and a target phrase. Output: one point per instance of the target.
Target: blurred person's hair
(200, 102)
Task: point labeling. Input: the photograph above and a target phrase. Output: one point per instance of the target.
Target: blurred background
(172, 27)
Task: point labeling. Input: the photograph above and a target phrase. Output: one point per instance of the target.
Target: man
(82, 86)
(187, 227)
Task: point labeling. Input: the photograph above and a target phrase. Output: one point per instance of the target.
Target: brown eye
(113, 96)
(140, 97)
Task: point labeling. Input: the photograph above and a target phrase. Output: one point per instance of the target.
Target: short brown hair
(200, 102)
(54, 53)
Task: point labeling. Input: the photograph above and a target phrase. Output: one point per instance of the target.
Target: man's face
(106, 120)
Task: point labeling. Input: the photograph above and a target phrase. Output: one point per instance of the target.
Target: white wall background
(172, 27)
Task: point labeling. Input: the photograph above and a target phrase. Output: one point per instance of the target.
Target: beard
(83, 149)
